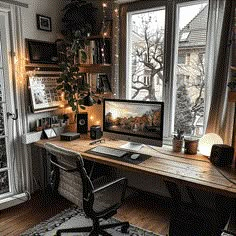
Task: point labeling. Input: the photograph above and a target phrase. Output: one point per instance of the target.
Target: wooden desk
(189, 170)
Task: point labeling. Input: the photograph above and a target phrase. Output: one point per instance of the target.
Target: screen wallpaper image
(133, 118)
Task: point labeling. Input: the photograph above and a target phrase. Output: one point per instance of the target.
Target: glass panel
(190, 74)
(4, 182)
(3, 154)
(2, 132)
(145, 53)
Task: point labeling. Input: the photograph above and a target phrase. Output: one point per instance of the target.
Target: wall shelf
(95, 68)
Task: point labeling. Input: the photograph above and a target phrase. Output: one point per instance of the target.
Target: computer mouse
(135, 156)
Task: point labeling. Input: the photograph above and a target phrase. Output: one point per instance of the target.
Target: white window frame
(170, 57)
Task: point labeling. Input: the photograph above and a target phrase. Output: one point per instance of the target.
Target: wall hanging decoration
(44, 23)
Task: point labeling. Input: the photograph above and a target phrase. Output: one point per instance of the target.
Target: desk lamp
(207, 141)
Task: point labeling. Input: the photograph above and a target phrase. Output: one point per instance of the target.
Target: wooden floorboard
(142, 210)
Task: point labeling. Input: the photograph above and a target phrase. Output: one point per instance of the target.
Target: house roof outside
(194, 33)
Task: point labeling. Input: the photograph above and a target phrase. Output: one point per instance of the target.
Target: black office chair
(113, 191)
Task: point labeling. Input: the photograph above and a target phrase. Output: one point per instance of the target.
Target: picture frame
(44, 23)
(49, 133)
(43, 93)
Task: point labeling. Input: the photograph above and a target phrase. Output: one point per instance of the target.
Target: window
(174, 68)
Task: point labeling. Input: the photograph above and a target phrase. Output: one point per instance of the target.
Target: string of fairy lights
(115, 42)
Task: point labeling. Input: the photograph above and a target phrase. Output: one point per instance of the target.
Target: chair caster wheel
(124, 229)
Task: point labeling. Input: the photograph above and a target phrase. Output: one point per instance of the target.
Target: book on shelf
(103, 84)
(98, 51)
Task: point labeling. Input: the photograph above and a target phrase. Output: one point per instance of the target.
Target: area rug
(75, 217)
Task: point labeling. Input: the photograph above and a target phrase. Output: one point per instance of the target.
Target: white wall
(50, 8)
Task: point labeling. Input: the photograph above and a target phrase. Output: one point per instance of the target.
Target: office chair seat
(100, 201)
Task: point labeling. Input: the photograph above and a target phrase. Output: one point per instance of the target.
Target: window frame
(170, 57)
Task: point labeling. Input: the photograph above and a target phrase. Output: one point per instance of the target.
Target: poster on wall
(43, 93)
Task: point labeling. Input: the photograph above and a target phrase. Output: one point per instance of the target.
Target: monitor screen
(135, 121)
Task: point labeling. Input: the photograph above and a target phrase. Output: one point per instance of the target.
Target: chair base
(95, 231)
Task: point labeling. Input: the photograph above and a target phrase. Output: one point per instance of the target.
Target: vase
(177, 145)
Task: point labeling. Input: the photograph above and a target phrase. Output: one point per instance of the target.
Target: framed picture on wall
(44, 22)
(43, 93)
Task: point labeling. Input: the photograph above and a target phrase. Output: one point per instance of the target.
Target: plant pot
(190, 146)
(177, 145)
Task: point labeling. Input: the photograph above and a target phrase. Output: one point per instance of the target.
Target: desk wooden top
(191, 170)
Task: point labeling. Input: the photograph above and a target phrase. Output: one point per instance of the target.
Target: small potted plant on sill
(177, 141)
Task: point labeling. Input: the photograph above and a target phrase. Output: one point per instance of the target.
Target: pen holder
(177, 145)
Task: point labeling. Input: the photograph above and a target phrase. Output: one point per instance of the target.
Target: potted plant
(78, 15)
(72, 82)
(177, 141)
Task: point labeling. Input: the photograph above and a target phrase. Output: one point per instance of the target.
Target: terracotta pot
(177, 145)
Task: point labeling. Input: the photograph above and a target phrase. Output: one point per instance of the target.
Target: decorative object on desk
(69, 136)
(44, 23)
(82, 123)
(95, 132)
(190, 146)
(71, 217)
(177, 141)
(207, 141)
(222, 155)
(49, 133)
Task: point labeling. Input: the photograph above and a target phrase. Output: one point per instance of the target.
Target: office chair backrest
(71, 161)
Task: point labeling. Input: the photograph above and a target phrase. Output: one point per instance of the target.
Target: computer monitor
(139, 122)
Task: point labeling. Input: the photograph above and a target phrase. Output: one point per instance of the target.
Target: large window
(164, 60)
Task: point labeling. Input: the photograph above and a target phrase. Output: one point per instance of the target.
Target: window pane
(145, 54)
(4, 183)
(190, 74)
(3, 154)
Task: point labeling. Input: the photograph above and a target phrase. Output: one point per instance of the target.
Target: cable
(231, 181)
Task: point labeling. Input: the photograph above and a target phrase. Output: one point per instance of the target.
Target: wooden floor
(141, 210)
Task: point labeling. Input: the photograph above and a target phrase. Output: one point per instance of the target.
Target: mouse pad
(125, 158)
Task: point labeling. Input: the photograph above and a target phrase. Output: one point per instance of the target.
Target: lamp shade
(88, 100)
(207, 141)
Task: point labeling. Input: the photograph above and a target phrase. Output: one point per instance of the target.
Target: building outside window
(183, 91)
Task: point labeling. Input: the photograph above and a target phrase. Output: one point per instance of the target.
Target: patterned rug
(75, 217)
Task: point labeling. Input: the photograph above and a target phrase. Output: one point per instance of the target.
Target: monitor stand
(132, 146)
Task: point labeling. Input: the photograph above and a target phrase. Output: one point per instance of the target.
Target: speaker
(82, 123)
(95, 132)
(222, 155)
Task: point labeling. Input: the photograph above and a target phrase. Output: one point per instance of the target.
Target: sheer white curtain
(221, 112)
(22, 162)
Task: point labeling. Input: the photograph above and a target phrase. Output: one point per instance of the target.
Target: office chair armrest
(117, 181)
(63, 166)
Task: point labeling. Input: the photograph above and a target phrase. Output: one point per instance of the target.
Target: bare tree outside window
(146, 63)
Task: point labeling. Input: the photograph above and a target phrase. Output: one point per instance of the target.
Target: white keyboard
(109, 151)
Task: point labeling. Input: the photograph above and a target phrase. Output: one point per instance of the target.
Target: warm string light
(104, 33)
(20, 73)
(116, 48)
